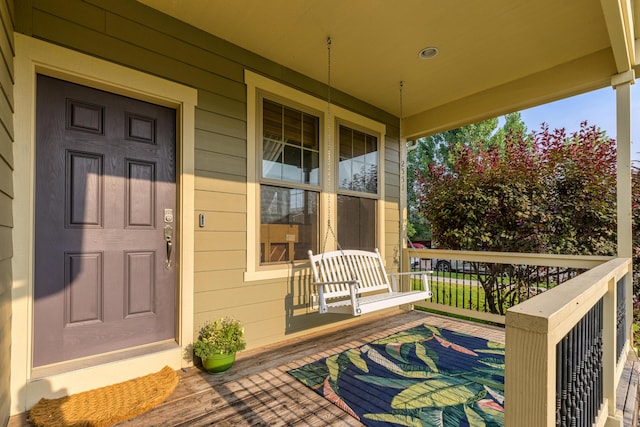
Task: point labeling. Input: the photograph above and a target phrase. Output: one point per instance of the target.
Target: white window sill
(285, 271)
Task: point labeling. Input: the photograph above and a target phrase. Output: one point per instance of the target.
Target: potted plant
(218, 343)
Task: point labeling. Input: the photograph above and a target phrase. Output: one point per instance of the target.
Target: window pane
(371, 179)
(346, 143)
(272, 159)
(311, 167)
(371, 159)
(372, 144)
(356, 223)
(292, 164)
(290, 146)
(346, 179)
(310, 134)
(358, 173)
(358, 169)
(359, 145)
(272, 120)
(292, 126)
(288, 223)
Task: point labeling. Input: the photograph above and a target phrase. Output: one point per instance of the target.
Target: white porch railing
(566, 347)
(461, 282)
(565, 351)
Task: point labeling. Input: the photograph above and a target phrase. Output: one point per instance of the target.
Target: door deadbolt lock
(168, 215)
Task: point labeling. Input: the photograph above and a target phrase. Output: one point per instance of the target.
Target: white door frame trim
(36, 56)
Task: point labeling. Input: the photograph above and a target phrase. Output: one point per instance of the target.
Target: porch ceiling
(496, 56)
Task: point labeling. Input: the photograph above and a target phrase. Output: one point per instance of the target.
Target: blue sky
(597, 108)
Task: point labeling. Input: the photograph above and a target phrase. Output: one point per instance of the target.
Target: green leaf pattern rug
(424, 376)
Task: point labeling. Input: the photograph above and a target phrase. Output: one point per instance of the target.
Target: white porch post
(622, 85)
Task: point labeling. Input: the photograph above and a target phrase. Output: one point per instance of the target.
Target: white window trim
(256, 83)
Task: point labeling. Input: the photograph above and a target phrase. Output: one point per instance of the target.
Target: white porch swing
(355, 281)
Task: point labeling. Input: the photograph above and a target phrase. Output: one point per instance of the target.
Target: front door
(105, 204)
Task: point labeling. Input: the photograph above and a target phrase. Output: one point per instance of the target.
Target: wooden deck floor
(259, 392)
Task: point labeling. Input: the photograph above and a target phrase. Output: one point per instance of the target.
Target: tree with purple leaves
(543, 192)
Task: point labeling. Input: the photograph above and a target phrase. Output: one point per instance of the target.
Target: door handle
(168, 238)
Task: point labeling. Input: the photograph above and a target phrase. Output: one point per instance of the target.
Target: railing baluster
(579, 370)
(562, 383)
(621, 309)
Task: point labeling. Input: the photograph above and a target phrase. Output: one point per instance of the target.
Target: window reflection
(358, 170)
(357, 223)
(290, 148)
(288, 223)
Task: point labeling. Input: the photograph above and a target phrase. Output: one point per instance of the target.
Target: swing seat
(355, 282)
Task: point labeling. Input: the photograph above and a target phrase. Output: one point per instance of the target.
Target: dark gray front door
(104, 224)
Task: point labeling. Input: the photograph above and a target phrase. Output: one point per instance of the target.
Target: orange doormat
(107, 405)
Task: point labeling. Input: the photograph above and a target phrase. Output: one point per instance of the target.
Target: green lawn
(463, 296)
(455, 275)
(470, 296)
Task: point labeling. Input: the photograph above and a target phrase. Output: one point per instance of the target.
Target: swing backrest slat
(349, 265)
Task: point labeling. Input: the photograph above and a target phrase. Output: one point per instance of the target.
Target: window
(295, 185)
(289, 189)
(358, 178)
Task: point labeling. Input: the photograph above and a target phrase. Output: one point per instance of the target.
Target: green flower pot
(218, 363)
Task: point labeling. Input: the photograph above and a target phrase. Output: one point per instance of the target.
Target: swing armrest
(335, 282)
(327, 294)
(411, 273)
(422, 274)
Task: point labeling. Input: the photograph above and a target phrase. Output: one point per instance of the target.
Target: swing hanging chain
(329, 150)
(401, 116)
(404, 220)
(329, 155)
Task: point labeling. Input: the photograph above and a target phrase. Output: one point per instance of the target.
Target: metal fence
(484, 285)
(490, 287)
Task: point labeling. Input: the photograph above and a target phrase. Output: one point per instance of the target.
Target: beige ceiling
(496, 56)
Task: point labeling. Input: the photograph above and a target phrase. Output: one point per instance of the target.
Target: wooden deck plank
(273, 406)
(627, 392)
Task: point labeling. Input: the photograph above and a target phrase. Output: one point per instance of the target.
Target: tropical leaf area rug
(424, 376)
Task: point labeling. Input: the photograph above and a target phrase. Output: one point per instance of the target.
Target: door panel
(105, 173)
(83, 300)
